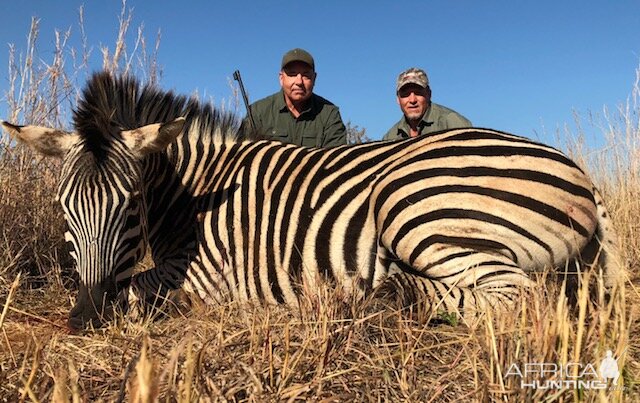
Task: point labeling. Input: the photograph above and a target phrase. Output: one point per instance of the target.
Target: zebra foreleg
(151, 291)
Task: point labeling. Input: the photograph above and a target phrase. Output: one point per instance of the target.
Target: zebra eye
(136, 195)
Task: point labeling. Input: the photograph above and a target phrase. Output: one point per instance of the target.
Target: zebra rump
(457, 220)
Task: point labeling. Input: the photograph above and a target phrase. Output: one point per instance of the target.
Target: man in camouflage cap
(421, 116)
(295, 114)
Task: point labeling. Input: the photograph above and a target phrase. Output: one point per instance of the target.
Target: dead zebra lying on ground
(456, 219)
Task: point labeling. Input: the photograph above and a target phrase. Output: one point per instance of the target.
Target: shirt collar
(424, 122)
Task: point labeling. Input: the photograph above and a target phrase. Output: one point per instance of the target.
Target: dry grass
(329, 349)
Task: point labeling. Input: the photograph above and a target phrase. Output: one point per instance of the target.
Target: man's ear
(152, 138)
(45, 140)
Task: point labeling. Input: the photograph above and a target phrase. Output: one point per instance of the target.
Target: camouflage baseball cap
(412, 76)
(298, 55)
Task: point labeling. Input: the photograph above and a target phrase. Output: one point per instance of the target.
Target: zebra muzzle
(94, 306)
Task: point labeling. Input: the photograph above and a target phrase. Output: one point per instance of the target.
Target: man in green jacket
(421, 116)
(295, 114)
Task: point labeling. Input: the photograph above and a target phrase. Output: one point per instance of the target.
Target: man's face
(297, 79)
(414, 100)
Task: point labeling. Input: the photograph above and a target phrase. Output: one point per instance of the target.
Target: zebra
(457, 220)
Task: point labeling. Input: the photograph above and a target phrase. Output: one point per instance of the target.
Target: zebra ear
(152, 138)
(45, 140)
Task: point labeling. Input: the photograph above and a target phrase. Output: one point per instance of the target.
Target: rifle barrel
(245, 98)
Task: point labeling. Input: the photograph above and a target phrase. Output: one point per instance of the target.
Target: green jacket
(318, 126)
(437, 117)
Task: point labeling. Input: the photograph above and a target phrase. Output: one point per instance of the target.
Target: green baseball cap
(298, 55)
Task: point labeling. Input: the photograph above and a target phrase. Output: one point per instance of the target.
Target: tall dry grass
(328, 350)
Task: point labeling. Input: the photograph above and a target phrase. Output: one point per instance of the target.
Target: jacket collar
(424, 122)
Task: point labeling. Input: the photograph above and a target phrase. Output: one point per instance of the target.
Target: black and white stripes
(468, 211)
(456, 219)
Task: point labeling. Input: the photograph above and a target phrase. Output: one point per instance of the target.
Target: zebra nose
(94, 306)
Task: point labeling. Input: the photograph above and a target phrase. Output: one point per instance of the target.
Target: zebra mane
(110, 103)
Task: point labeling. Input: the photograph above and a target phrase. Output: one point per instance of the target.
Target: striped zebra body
(456, 220)
(471, 208)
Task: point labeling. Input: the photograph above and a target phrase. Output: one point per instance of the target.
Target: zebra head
(103, 199)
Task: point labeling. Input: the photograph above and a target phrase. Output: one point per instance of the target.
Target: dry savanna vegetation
(330, 349)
